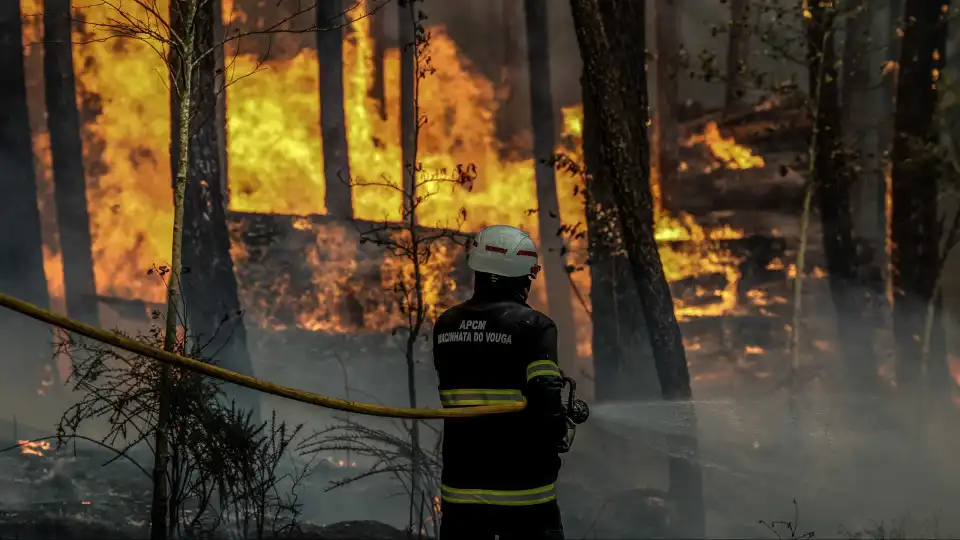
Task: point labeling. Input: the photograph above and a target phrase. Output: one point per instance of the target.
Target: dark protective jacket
(490, 351)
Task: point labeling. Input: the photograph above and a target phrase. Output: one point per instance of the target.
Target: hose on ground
(196, 366)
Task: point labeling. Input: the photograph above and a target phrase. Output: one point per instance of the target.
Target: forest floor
(71, 494)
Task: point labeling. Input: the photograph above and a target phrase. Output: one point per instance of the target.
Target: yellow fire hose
(111, 338)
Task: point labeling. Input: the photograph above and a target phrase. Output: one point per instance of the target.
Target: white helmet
(503, 251)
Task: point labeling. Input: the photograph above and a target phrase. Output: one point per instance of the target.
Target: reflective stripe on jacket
(518, 497)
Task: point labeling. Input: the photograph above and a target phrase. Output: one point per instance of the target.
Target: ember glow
(33, 448)
(276, 167)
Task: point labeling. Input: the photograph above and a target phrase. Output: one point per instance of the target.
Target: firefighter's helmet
(505, 251)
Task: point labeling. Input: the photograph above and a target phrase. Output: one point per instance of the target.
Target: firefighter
(499, 470)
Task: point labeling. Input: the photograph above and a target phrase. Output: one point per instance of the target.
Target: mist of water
(850, 461)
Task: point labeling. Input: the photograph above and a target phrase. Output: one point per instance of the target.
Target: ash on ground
(80, 492)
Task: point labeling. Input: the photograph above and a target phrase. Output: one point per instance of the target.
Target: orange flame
(276, 166)
(726, 149)
(33, 448)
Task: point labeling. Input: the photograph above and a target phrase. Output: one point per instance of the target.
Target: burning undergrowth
(45, 491)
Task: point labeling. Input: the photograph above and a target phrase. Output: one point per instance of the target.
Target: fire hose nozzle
(577, 409)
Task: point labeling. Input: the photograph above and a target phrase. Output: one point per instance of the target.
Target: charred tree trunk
(211, 296)
(610, 34)
(831, 181)
(408, 11)
(336, 162)
(70, 188)
(893, 26)
(21, 244)
(667, 110)
(865, 169)
(622, 359)
(860, 127)
(221, 82)
(548, 212)
(738, 52)
(512, 105)
(915, 177)
(378, 31)
(410, 20)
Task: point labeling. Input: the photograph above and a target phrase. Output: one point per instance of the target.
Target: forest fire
(725, 149)
(276, 167)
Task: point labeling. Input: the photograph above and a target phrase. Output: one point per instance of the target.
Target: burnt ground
(74, 494)
(77, 493)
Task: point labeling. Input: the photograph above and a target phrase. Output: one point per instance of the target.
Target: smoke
(850, 462)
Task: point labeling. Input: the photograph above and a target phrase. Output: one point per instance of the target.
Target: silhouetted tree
(738, 52)
(548, 206)
(832, 183)
(916, 170)
(667, 35)
(66, 147)
(21, 245)
(622, 359)
(210, 288)
(336, 162)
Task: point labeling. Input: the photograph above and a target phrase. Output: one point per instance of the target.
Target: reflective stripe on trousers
(543, 368)
(479, 396)
(521, 497)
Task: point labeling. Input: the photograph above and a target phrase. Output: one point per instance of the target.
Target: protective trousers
(462, 521)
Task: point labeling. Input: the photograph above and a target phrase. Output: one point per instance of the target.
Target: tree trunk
(512, 106)
(70, 193)
(890, 29)
(408, 13)
(181, 79)
(336, 163)
(622, 359)
(667, 110)
(410, 23)
(938, 380)
(738, 53)
(915, 227)
(862, 97)
(221, 84)
(21, 244)
(832, 183)
(859, 123)
(548, 213)
(378, 31)
(610, 35)
(209, 283)
(893, 26)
